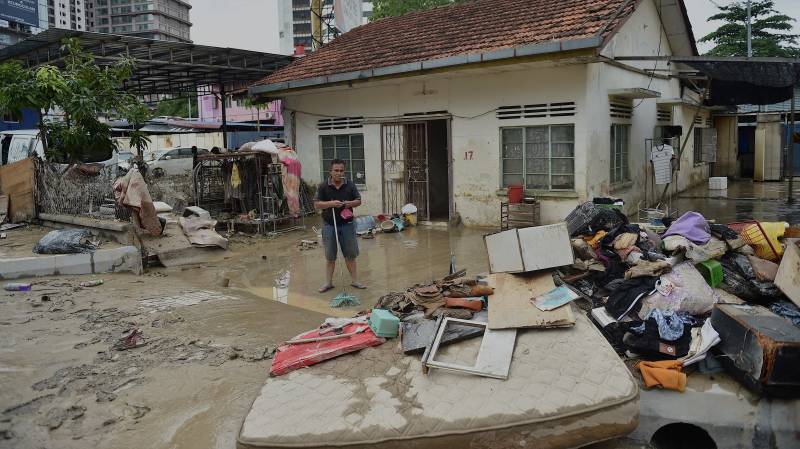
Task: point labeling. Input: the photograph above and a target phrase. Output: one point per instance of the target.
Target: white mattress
(566, 388)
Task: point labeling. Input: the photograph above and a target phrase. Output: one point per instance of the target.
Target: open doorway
(416, 169)
(747, 151)
(438, 171)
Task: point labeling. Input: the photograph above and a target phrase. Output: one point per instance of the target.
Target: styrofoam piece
(718, 183)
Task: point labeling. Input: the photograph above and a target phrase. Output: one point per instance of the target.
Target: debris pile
(667, 293)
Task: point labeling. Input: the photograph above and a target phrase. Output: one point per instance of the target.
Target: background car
(172, 161)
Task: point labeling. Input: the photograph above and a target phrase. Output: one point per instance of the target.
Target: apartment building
(166, 20)
(294, 18)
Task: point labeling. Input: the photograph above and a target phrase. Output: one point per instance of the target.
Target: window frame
(549, 157)
(624, 155)
(325, 162)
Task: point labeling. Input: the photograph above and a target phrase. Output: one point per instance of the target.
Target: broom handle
(335, 230)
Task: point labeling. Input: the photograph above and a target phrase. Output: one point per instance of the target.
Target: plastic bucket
(515, 194)
(410, 219)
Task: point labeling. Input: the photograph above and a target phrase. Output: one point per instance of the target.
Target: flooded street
(210, 327)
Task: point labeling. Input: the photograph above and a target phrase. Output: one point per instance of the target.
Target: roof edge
(439, 63)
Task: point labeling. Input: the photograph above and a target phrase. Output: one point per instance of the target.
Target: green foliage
(83, 92)
(391, 8)
(177, 107)
(770, 29)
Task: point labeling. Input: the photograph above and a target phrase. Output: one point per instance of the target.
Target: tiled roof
(472, 27)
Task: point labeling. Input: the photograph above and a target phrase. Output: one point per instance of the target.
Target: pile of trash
(665, 294)
(369, 225)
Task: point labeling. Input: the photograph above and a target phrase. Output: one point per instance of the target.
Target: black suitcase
(759, 348)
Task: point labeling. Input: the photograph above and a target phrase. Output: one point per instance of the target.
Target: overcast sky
(253, 24)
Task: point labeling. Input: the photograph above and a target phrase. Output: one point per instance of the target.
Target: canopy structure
(162, 68)
(732, 81)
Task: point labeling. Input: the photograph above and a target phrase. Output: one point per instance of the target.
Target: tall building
(21, 18)
(68, 14)
(294, 21)
(166, 20)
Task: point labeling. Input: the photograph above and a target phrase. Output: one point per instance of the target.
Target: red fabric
(291, 357)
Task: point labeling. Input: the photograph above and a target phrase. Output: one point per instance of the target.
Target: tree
(769, 31)
(83, 92)
(391, 8)
(178, 107)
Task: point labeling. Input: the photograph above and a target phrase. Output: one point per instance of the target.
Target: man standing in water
(337, 197)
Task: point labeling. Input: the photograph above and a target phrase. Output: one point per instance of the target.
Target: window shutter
(563, 109)
(340, 123)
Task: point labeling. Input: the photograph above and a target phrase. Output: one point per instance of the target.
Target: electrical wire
(658, 51)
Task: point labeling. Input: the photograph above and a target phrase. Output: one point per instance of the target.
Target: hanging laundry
(291, 173)
(661, 156)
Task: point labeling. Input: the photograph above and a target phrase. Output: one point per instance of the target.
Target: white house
(446, 107)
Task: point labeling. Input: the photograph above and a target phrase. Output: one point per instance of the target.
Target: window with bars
(539, 157)
(349, 148)
(620, 144)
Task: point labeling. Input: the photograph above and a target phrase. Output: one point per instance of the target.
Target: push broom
(343, 299)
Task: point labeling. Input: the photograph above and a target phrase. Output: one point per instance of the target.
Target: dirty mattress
(566, 388)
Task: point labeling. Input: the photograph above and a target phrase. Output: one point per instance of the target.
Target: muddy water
(743, 200)
(387, 262)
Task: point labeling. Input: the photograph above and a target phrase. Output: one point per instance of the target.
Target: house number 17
(468, 155)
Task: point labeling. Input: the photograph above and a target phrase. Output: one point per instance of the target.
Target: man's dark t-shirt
(326, 191)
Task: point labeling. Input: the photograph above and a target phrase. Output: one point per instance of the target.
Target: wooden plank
(17, 181)
(510, 305)
(504, 253)
(3, 208)
(545, 247)
(788, 277)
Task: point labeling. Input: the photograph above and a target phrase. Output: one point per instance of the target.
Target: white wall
(639, 36)
(477, 194)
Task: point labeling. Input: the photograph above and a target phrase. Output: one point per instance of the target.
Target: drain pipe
(790, 157)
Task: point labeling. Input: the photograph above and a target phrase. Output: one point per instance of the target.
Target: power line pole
(749, 31)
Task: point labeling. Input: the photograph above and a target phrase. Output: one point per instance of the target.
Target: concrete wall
(638, 36)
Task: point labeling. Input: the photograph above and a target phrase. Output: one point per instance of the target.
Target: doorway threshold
(437, 224)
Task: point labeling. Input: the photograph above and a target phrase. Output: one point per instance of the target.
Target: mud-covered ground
(209, 329)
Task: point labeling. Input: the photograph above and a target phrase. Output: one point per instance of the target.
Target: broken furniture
(494, 355)
(759, 348)
(510, 306)
(788, 277)
(519, 215)
(529, 249)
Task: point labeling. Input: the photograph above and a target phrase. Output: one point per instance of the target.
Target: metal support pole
(224, 115)
(749, 31)
(790, 156)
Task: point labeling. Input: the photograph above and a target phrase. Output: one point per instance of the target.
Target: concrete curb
(117, 260)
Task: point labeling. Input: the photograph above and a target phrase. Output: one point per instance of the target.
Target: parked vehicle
(20, 144)
(173, 161)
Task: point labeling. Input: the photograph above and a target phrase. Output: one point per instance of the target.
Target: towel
(665, 374)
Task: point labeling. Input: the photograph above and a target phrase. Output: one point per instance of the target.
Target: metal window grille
(705, 145)
(539, 157)
(620, 146)
(349, 148)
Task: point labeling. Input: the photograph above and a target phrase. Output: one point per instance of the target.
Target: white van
(20, 144)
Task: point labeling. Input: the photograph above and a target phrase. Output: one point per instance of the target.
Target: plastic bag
(65, 241)
(689, 293)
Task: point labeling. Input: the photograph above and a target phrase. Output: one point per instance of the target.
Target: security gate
(405, 167)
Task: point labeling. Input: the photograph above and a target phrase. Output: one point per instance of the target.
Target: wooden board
(510, 305)
(788, 277)
(3, 208)
(504, 252)
(17, 181)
